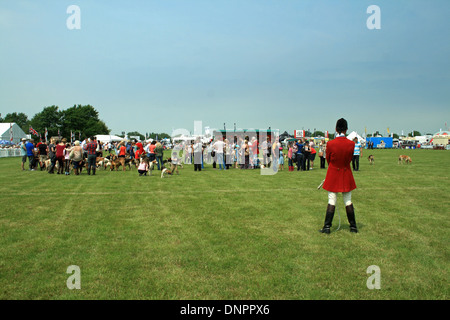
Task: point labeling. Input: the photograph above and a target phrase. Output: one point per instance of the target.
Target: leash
(339, 226)
(337, 211)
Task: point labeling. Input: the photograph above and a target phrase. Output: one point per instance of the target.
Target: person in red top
(122, 154)
(139, 151)
(339, 178)
(60, 147)
(122, 151)
(151, 150)
(91, 149)
(140, 147)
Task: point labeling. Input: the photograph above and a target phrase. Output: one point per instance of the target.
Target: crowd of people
(62, 156)
(250, 154)
(243, 153)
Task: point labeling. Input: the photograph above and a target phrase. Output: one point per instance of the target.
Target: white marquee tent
(17, 132)
(104, 138)
(354, 135)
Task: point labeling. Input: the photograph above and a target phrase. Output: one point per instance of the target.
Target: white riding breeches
(347, 196)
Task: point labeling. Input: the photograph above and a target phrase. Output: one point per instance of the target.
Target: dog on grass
(371, 159)
(48, 164)
(151, 166)
(167, 163)
(165, 173)
(104, 163)
(404, 159)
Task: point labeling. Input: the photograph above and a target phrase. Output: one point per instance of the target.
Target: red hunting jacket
(339, 154)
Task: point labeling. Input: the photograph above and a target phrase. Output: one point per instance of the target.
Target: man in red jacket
(339, 178)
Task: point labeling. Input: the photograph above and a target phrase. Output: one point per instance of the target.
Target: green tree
(77, 119)
(50, 118)
(161, 135)
(21, 119)
(135, 133)
(318, 134)
(414, 133)
(84, 119)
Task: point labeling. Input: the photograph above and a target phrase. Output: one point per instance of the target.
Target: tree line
(81, 121)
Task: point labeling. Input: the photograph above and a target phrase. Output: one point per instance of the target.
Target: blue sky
(155, 66)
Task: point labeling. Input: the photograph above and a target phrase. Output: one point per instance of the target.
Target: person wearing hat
(23, 152)
(339, 177)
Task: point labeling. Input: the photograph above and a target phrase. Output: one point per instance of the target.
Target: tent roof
(107, 137)
(18, 133)
(442, 133)
(352, 136)
(5, 127)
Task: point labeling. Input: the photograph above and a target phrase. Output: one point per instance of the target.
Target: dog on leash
(404, 159)
(371, 159)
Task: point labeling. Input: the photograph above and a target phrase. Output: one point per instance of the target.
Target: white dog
(165, 173)
(151, 166)
(48, 163)
(104, 163)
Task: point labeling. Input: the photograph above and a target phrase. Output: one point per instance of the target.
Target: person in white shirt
(197, 149)
(209, 149)
(218, 147)
(264, 150)
(175, 158)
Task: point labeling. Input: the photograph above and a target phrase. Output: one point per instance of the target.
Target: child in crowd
(67, 151)
(143, 168)
(175, 161)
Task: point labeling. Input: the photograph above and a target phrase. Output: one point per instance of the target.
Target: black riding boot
(351, 218)
(328, 219)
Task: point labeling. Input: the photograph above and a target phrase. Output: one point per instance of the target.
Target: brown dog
(371, 159)
(115, 163)
(404, 159)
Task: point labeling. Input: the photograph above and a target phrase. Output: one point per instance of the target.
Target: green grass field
(232, 234)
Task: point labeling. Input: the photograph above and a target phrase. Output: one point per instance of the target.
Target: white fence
(4, 153)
